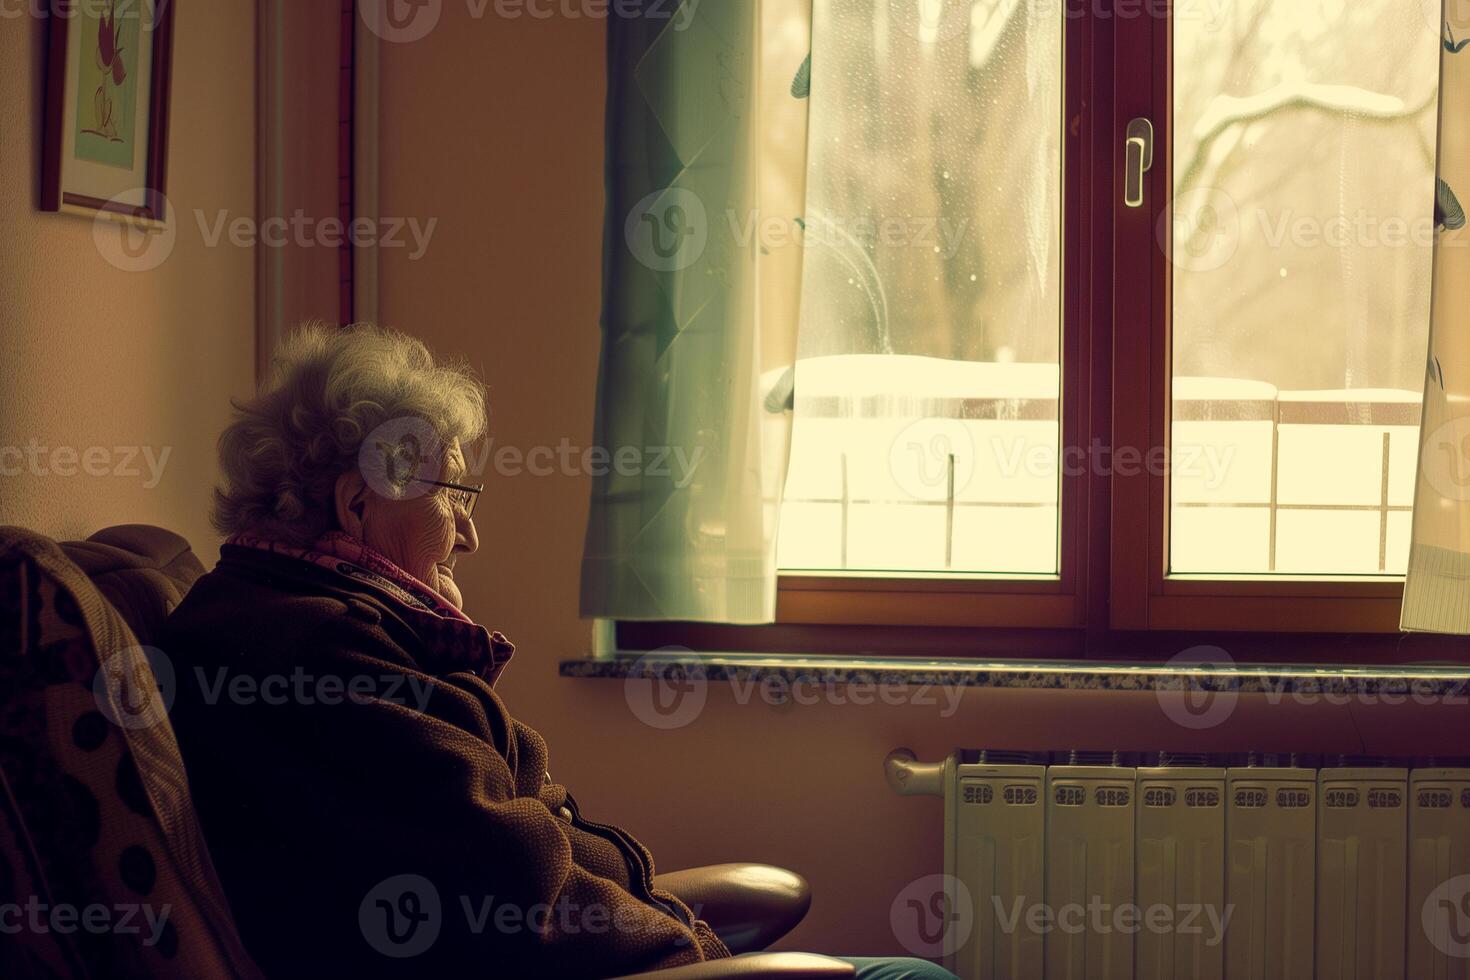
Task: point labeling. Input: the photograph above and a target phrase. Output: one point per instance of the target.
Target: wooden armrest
(749, 906)
(758, 966)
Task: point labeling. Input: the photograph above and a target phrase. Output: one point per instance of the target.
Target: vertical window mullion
(1138, 303)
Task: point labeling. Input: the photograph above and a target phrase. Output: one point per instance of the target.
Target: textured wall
(126, 364)
(301, 63)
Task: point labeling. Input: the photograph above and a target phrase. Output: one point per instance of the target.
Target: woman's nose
(466, 540)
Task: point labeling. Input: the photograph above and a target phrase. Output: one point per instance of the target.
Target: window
(1271, 300)
(1079, 396)
(927, 423)
(1303, 157)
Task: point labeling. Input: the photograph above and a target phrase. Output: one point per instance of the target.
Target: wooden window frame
(1113, 597)
(1013, 602)
(1144, 595)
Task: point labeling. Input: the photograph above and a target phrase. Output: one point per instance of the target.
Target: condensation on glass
(1301, 238)
(927, 388)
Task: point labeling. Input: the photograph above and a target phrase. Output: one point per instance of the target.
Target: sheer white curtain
(706, 167)
(1437, 593)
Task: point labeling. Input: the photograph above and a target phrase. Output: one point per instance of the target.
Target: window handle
(1139, 159)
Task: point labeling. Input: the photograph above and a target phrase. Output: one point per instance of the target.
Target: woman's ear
(351, 500)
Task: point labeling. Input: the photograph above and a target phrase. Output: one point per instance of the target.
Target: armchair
(80, 798)
(749, 906)
(761, 966)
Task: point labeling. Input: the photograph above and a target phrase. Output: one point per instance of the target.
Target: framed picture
(107, 106)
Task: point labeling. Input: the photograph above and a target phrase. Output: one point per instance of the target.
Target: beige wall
(93, 356)
(495, 128)
(300, 111)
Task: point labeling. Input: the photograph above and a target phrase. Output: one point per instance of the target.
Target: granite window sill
(1434, 681)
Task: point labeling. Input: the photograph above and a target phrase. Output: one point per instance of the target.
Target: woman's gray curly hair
(330, 388)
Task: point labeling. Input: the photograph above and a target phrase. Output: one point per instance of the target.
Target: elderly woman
(371, 806)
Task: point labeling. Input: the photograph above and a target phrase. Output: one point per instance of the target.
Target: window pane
(927, 385)
(1302, 227)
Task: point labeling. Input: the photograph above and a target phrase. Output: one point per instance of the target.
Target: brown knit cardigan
(357, 835)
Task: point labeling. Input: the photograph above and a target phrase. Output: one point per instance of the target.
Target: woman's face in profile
(424, 533)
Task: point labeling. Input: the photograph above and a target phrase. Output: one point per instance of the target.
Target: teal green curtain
(706, 138)
(1437, 592)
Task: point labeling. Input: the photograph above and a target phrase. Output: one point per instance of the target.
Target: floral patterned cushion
(102, 864)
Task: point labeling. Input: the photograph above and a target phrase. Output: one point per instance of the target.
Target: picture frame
(109, 78)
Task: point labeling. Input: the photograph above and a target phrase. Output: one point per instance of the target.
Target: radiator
(1099, 867)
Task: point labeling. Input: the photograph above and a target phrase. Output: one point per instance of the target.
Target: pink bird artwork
(109, 55)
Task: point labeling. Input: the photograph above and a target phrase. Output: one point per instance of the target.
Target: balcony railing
(908, 464)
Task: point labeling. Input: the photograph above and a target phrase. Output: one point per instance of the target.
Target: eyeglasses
(461, 497)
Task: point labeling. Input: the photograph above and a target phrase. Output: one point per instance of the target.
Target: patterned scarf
(452, 641)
